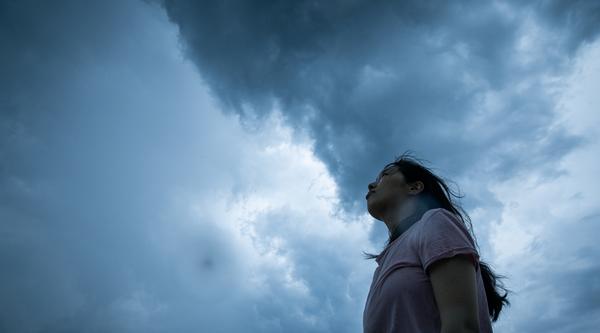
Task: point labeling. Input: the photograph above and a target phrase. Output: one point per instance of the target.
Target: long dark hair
(436, 194)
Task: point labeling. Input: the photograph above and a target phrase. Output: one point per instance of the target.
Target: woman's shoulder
(441, 222)
(439, 218)
(439, 214)
(435, 213)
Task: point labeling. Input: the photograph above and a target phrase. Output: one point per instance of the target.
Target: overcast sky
(201, 166)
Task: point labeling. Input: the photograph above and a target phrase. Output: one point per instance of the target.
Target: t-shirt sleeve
(443, 235)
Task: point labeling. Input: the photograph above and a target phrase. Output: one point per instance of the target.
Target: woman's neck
(406, 222)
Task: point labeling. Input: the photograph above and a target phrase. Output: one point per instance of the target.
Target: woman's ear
(416, 187)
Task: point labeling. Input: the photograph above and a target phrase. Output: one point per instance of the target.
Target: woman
(429, 277)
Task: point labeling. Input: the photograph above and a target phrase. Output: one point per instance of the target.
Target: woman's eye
(379, 178)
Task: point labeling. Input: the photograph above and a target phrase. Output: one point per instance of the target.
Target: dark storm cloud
(574, 21)
(105, 132)
(370, 79)
(88, 157)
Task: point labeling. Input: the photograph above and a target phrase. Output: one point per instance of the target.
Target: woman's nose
(371, 186)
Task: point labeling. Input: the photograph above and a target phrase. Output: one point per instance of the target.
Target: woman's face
(387, 192)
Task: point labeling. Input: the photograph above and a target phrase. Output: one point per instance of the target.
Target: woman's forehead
(390, 167)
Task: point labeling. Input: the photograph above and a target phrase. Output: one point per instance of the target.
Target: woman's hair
(436, 194)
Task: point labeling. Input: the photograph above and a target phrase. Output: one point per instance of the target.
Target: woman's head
(391, 191)
(406, 181)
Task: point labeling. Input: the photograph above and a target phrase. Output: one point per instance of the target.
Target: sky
(186, 166)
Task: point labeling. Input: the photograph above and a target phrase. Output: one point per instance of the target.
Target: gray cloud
(574, 22)
(560, 278)
(108, 143)
(370, 78)
(103, 130)
(89, 161)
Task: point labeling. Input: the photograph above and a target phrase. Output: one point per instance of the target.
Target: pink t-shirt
(401, 298)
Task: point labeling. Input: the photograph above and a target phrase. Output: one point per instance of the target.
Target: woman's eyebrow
(385, 170)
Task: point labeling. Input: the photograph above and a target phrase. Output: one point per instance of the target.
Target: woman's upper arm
(455, 288)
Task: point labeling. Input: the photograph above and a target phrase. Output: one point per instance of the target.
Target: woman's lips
(369, 194)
